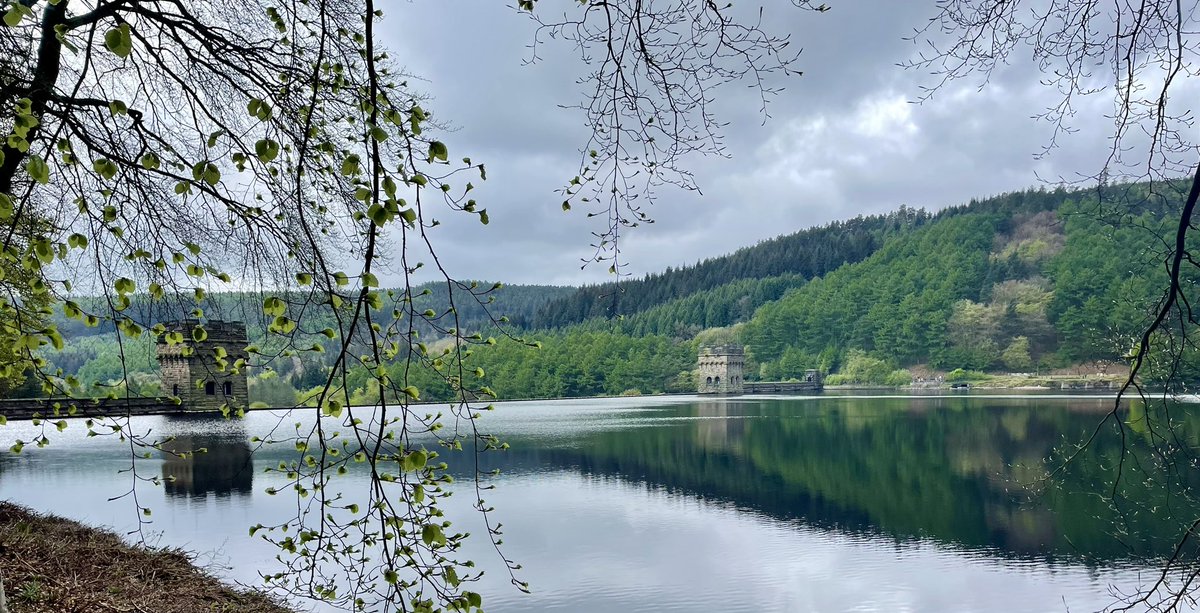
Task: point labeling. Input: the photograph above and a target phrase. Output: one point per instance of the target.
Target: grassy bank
(50, 564)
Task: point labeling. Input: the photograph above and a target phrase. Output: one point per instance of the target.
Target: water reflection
(816, 503)
(196, 465)
(969, 472)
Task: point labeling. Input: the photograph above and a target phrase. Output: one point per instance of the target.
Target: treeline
(808, 253)
(548, 365)
(572, 364)
(684, 318)
(101, 361)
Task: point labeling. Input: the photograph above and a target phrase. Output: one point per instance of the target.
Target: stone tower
(201, 373)
(719, 369)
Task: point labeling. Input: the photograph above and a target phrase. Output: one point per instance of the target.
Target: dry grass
(55, 565)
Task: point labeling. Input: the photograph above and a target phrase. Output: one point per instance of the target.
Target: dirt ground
(54, 565)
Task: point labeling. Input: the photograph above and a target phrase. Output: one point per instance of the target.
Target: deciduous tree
(174, 148)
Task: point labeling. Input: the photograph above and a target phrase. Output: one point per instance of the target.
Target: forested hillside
(804, 254)
(1020, 282)
(1013, 284)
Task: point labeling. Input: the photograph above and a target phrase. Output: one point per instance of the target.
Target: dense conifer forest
(805, 254)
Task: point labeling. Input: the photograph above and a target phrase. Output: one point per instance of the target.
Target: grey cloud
(843, 139)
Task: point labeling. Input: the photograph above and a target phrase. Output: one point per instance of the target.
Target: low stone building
(202, 373)
(719, 369)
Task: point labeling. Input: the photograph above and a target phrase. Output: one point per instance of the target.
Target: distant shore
(49, 564)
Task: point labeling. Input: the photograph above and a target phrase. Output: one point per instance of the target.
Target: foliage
(959, 375)
(719, 307)
(792, 258)
(1049, 284)
(1016, 355)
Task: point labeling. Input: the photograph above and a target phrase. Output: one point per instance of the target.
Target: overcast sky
(844, 139)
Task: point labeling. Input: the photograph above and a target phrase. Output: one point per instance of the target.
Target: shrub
(959, 374)
(898, 378)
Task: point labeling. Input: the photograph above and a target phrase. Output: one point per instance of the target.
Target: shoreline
(50, 408)
(50, 564)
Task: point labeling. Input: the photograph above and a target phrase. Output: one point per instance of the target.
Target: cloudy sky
(844, 139)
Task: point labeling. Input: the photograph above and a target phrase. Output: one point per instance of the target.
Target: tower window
(228, 388)
(210, 388)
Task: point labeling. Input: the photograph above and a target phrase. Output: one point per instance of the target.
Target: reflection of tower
(226, 468)
(720, 430)
(719, 369)
(202, 373)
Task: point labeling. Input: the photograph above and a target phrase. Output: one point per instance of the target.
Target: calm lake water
(825, 503)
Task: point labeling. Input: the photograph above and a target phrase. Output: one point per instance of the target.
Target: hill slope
(807, 254)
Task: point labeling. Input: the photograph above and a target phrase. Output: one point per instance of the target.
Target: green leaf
(266, 150)
(438, 151)
(379, 215)
(207, 172)
(13, 17)
(105, 168)
(432, 533)
(417, 459)
(332, 408)
(118, 41)
(374, 300)
(474, 599)
(37, 169)
(274, 307)
(259, 109)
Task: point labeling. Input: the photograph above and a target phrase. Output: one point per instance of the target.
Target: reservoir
(834, 502)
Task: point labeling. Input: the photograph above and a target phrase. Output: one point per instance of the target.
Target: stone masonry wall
(199, 373)
(719, 370)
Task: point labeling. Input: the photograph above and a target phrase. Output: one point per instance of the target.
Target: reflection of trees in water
(225, 469)
(963, 471)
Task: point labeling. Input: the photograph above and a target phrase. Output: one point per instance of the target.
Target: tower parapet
(198, 362)
(719, 369)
